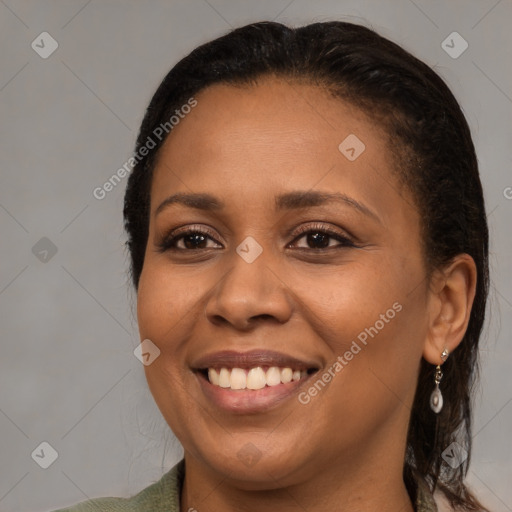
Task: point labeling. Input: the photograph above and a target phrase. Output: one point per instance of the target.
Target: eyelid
(321, 226)
(201, 228)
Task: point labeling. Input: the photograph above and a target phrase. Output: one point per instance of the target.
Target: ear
(451, 295)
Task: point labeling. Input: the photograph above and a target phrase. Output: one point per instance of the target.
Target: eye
(319, 236)
(192, 238)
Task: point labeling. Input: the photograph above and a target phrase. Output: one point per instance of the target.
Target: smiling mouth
(254, 381)
(255, 378)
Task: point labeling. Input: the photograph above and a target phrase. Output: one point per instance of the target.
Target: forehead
(303, 117)
(248, 142)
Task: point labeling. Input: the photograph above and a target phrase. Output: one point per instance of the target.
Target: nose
(249, 293)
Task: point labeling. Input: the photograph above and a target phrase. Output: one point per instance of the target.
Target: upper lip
(251, 359)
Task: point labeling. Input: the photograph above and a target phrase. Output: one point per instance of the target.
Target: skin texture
(344, 450)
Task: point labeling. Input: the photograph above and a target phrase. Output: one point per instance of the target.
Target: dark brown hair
(436, 161)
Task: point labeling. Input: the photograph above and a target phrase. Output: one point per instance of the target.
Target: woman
(308, 243)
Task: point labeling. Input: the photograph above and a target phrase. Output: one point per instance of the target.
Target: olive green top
(164, 496)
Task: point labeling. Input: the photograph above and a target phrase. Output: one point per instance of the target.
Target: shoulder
(425, 501)
(162, 496)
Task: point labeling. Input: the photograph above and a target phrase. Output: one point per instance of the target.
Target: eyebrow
(288, 201)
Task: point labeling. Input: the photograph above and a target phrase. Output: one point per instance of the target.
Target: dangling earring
(436, 398)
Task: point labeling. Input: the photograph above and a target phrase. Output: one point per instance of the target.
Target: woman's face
(305, 255)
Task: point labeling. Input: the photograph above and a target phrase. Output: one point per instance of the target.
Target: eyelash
(168, 243)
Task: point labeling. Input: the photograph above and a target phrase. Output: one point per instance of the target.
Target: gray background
(68, 375)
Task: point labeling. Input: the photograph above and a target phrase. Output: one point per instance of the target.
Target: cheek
(372, 318)
(379, 310)
(164, 298)
(340, 305)
(153, 308)
(167, 309)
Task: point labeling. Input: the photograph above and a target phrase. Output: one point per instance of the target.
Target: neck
(341, 488)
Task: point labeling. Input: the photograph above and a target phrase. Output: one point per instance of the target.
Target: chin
(251, 466)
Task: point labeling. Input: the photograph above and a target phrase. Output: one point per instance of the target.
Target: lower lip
(249, 401)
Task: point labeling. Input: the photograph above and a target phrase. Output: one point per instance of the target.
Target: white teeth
(213, 376)
(238, 379)
(254, 378)
(224, 378)
(273, 376)
(286, 375)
